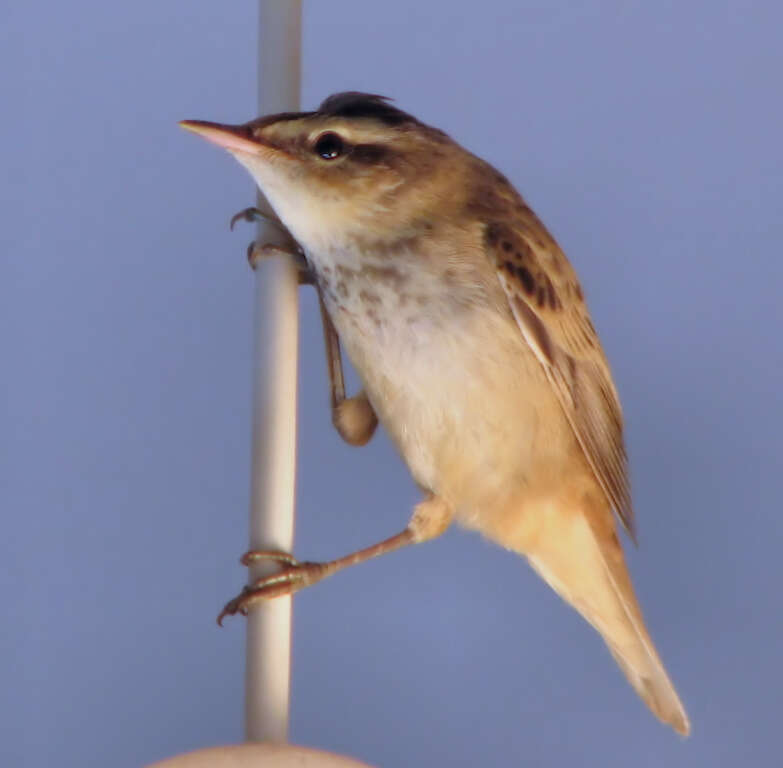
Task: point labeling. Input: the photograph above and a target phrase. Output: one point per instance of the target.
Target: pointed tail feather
(581, 558)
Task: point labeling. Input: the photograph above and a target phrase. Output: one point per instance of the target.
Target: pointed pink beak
(234, 138)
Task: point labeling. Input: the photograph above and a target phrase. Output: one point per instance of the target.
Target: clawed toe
(247, 214)
(256, 253)
(292, 578)
(276, 556)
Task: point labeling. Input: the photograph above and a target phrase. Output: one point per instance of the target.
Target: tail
(580, 557)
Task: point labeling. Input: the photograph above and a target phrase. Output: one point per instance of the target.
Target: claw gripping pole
(268, 652)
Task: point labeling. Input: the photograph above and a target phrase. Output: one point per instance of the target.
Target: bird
(470, 333)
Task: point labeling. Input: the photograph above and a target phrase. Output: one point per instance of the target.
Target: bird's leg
(353, 417)
(430, 519)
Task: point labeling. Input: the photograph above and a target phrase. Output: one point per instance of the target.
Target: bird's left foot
(294, 576)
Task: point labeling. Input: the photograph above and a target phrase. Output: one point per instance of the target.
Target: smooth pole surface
(268, 663)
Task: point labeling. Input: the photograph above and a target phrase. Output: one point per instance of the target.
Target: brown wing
(545, 298)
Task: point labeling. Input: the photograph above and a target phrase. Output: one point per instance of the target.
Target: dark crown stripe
(355, 104)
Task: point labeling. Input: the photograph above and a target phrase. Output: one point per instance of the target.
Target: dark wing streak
(577, 371)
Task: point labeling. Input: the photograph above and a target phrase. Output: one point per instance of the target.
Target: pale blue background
(647, 135)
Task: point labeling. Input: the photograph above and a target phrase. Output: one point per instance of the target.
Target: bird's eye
(329, 146)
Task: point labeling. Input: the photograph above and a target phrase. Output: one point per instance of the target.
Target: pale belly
(453, 383)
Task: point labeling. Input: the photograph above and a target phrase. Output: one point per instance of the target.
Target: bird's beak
(234, 138)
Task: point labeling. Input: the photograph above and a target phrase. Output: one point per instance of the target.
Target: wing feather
(547, 302)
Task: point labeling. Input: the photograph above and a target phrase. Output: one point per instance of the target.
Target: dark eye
(329, 146)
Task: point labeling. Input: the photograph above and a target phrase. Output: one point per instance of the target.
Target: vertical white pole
(268, 653)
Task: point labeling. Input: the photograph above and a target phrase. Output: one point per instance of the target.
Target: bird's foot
(294, 576)
(256, 253)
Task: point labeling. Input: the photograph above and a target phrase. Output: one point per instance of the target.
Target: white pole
(268, 653)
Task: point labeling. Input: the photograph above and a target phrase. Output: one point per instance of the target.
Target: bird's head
(357, 167)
